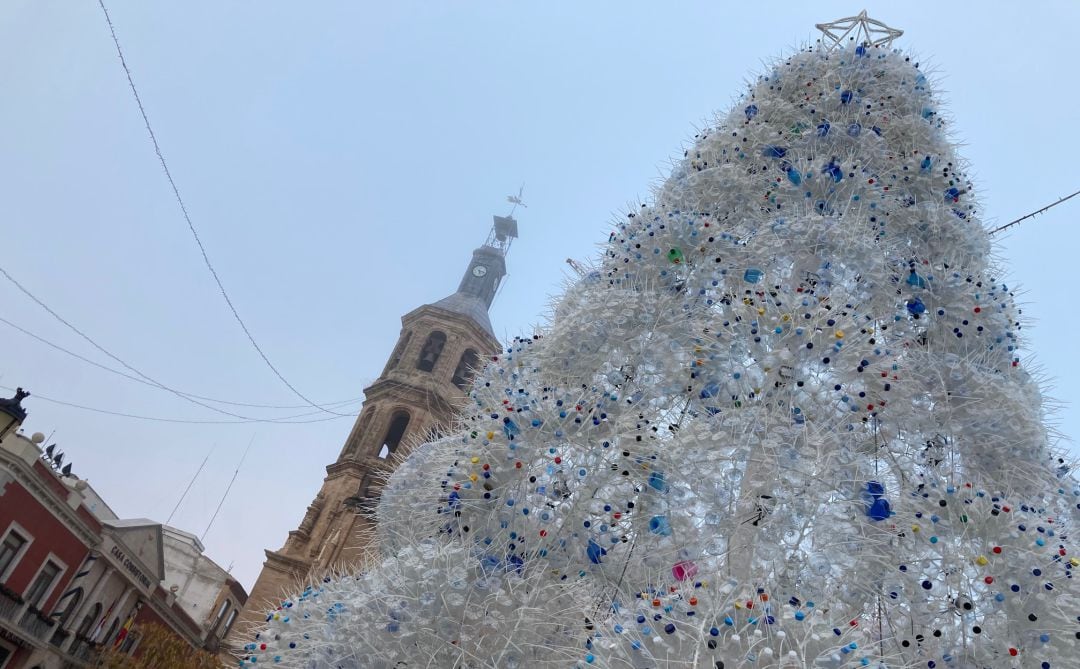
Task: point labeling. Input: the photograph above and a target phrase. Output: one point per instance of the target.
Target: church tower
(423, 384)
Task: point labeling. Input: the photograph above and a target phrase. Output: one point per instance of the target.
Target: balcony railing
(83, 650)
(59, 637)
(36, 623)
(10, 603)
(72, 661)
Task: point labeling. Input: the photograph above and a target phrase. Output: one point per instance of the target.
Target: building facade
(424, 382)
(75, 579)
(208, 594)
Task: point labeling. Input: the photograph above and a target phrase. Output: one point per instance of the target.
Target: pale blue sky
(342, 159)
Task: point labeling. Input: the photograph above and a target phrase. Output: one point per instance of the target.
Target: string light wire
(136, 379)
(1033, 214)
(158, 419)
(102, 349)
(190, 225)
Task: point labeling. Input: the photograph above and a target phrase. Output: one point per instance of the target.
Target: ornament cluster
(783, 422)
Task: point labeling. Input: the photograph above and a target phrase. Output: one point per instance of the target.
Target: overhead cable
(101, 348)
(187, 218)
(151, 380)
(136, 379)
(286, 420)
(188, 488)
(228, 488)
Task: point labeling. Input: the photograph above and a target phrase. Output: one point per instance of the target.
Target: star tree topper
(862, 28)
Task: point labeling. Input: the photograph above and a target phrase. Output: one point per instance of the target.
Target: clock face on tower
(479, 270)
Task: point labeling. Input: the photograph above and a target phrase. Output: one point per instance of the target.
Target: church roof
(470, 306)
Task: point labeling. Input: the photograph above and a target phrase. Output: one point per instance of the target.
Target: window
(429, 355)
(11, 549)
(398, 424)
(465, 369)
(364, 491)
(228, 623)
(220, 615)
(73, 597)
(111, 633)
(221, 611)
(87, 624)
(6, 653)
(42, 584)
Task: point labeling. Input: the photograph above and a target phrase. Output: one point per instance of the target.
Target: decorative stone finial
(863, 30)
(12, 406)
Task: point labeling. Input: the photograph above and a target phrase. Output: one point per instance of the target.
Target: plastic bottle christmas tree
(782, 424)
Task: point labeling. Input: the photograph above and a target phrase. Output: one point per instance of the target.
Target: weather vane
(516, 200)
(865, 30)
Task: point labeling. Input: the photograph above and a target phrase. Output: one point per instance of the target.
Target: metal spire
(864, 30)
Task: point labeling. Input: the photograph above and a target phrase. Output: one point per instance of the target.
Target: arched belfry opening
(466, 368)
(399, 423)
(432, 351)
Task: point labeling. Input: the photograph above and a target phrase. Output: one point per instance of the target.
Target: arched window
(398, 424)
(466, 368)
(364, 490)
(71, 603)
(399, 351)
(111, 633)
(220, 616)
(88, 621)
(228, 623)
(429, 355)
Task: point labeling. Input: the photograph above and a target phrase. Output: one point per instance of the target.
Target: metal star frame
(865, 30)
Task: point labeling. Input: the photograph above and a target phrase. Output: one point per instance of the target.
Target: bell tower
(418, 393)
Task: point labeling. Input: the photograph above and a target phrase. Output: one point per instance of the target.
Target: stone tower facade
(423, 384)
